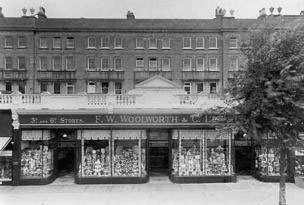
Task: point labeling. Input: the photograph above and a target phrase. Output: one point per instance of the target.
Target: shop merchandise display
(175, 161)
(143, 162)
(5, 168)
(190, 162)
(96, 162)
(215, 163)
(37, 162)
(267, 161)
(299, 163)
(126, 161)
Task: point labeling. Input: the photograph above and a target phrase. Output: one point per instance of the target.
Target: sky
(185, 9)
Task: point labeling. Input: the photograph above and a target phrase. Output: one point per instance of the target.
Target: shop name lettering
(128, 119)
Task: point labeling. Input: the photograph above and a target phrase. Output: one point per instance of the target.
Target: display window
(37, 154)
(201, 153)
(129, 153)
(299, 160)
(5, 159)
(95, 153)
(267, 159)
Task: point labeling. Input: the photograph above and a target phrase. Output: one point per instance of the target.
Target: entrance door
(158, 152)
(66, 162)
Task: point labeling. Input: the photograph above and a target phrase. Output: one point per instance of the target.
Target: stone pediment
(157, 82)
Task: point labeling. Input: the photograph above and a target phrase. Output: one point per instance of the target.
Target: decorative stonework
(15, 118)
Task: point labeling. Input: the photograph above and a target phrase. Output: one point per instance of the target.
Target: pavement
(158, 191)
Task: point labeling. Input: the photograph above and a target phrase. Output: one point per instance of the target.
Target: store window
(267, 159)
(299, 159)
(187, 64)
(8, 42)
(56, 62)
(22, 42)
(199, 42)
(213, 42)
(233, 42)
(8, 62)
(186, 42)
(118, 88)
(56, 42)
(104, 42)
(70, 42)
(105, 88)
(152, 43)
(139, 43)
(95, 153)
(129, 153)
(37, 154)
(5, 159)
(69, 63)
(201, 153)
(91, 42)
(43, 42)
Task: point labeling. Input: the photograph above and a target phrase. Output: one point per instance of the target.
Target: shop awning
(36, 135)
(95, 134)
(129, 134)
(4, 142)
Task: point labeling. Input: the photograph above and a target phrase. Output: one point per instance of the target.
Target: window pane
(105, 42)
(70, 88)
(152, 43)
(139, 43)
(21, 88)
(70, 42)
(212, 42)
(91, 42)
(8, 86)
(43, 42)
(118, 43)
(91, 63)
(200, 64)
(8, 62)
(104, 88)
(213, 64)
(21, 63)
(200, 42)
(166, 43)
(140, 62)
(56, 42)
(187, 87)
(212, 87)
(187, 42)
(56, 87)
(117, 64)
(233, 42)
(43, 87)
(6, 167)
(57, 63)
(8, 42)
(187, 64)
(69, 62)
(118, 88)
(200, 87)
(153, 63)
(43, 63)
(166, 63)
(233, 63)
(22, 43)
(104, 63)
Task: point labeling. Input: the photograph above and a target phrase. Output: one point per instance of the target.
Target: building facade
(117, 99)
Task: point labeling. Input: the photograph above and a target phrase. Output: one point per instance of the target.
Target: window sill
(199, 48)
(213, 48)
(21, 47)
(91, 48)
(152, 48)
(8, 47)
(118, 48)
(187, 48)
(104, 48)
(139, 48)
(166, 48)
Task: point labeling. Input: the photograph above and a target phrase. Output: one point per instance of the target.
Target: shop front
(124, 148)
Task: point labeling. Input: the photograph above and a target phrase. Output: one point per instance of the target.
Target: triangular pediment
(158, 82)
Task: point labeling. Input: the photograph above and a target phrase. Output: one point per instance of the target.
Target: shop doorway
(66, 162)
(158, 152)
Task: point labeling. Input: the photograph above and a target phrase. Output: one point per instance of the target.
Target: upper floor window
(91, 88)
(199, 42)
(187, 64)
(118, 88)
(56, 42)
(43, 42)
(43, 63)
(200, 64)
(56, 63)
(104, 41)
(22, 42)
(213, 87)
(117, 42)
(21, 63)
(233, 42)
(43, 87)
(117, 64)
(57, 87)
(139, 43)
(152, 43)
(213, 42)
(70, 42)
(213, 64)
(91, 42)
(69, 63)
(91, 63)
(166, 43)
(8, 62)
(233, 65)
(187, 87)
(140, 63)
(165, 64)
(8, 42)
(152, 64)
(200, 87)
(70, 88)
(186, 42)
(8, 86)
(104, 87)
(104, 62)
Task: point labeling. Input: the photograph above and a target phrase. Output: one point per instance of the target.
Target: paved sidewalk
(159, 191)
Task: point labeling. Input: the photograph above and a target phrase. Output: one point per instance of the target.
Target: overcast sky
(148, 8)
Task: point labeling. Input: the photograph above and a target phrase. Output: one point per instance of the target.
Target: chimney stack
(41, 13)
(1, 14)
(130, 15)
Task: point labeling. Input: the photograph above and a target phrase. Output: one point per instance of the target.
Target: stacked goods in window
(5, 168)
(96, 162)
(143, 162)
(189, 162)
(31, 163)
(216, 161)
(126, 161)
(175, 160)
(267, 161)
(47, 161)
(299, 164)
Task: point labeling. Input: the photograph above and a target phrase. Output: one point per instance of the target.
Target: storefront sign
(119, 119)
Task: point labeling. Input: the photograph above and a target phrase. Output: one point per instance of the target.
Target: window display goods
(5, 168)
(267, 161)
(299, 162)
